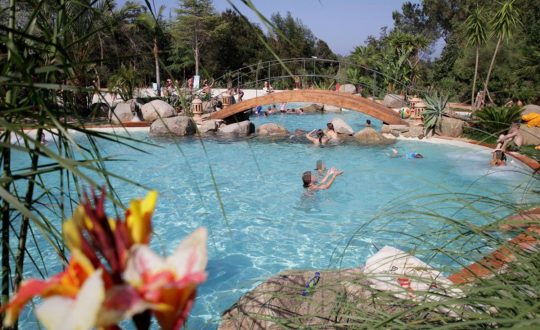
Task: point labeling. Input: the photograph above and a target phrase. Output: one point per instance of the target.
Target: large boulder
(210, 125)
(530, 108)
(369, 136)
(279, 302)
(531, 135)
(451, 127)
(415, 132)
(313, 108)
(157, 109)
(394, 101)
(272, 129)
(242, 128)
(122, 113)
(173, 126)
(331, 108)
(341, 127)
(135, 109)
(347, 88)
(389, 128)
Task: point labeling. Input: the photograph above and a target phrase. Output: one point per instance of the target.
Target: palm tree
(154, 24)
(475, 29)
(503, 24)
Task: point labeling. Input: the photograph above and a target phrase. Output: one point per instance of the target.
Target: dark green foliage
(496, 120)
(433, 114)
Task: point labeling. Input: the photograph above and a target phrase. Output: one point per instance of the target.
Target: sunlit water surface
(269, 223)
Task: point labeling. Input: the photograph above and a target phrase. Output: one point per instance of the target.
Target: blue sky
(343, 24)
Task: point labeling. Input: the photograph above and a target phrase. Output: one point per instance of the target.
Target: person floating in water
(395, 153)
(326, 182)
(414, 154)
(320, 138)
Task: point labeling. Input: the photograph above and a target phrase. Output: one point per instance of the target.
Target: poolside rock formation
(530, 108)
(341, 127)
(210, 125)
(271, 129)
(279, 301)
(331, 108)
(347, 88)
(122, 113)
(451, 127)
(173, 126)
(411, 131)
(370, 136)
(531, 135)
(241, 128)
(313, 108)
(394, 101)
(157, 109)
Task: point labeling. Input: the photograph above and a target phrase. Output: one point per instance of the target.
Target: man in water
(321, 139)
(414, 154)
(325, 183)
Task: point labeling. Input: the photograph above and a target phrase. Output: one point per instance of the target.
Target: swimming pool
(269, 223)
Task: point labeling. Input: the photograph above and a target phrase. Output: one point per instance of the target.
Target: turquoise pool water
(270, 223)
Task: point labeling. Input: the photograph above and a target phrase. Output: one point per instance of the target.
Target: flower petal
(191, 255)
(27, 291)
(139, 218)
(59, 312)
(142, 261)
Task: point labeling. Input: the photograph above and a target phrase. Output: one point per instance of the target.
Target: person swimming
(325, 183)
(414, 154)
(321, 139)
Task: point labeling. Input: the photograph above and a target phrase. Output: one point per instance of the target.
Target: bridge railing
(317, 72)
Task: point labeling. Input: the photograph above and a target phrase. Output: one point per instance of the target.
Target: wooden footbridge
(342, 100)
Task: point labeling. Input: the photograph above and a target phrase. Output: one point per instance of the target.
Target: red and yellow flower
(113, 274)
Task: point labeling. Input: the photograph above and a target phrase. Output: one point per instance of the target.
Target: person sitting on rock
(513, 138)
(320, 138)
(324, 184)
(499, 158)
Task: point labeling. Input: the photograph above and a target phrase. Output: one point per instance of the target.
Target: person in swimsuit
(499, 158)
(331, 133)
(324, 184)
(414, 154)
(320, 138)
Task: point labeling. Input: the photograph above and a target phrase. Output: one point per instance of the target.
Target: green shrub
(434, 111)
(495, 120)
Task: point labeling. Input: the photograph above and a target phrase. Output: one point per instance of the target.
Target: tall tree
(154, 23)
(291, 38)
(195, 19)
(503, 25)
(475, 29)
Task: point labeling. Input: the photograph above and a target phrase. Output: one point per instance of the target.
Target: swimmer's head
(306, 179)
(330, 126)
(320, 133)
